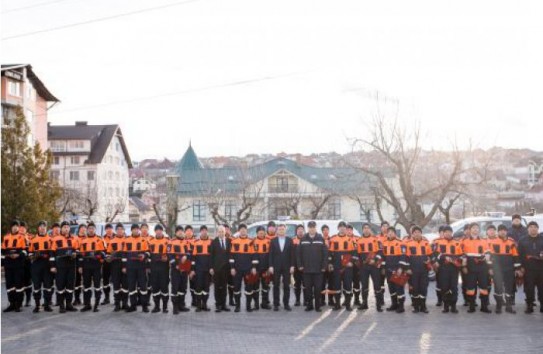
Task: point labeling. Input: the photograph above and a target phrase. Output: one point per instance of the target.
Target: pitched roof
(36, 82)
(99, 135)
(189, 161)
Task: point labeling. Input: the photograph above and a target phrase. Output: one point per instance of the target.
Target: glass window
(334, 209)
(229, 209)
(198, 210)
(75, 160)
(14, 88)
(74, 175)
(90, 175)
(56, 160)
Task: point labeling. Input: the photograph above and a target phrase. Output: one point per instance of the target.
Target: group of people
(337, 268)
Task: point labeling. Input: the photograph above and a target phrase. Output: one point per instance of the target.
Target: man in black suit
(282, 259)
(220, 266)
(312, 260)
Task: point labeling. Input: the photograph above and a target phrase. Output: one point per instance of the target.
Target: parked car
(291, 226)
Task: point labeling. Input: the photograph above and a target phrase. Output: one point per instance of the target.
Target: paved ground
(272, 332)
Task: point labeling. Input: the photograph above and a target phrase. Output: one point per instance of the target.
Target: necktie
(222, 243)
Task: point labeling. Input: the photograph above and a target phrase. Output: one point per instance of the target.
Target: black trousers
(92, 277)
(419, 283)
(281, 277)
(533, 279)
(367, 272)
(15, 283)
(298, 283)
(342, 279)
(179, 282)
(477, 277)
(220, 282)
(106, 278)
(201, 283)
(238, 279)
(42, 279)
(504, 283)
(313, 288)
(65, 282)
(136, 277)
(447, 281)
(119, 282)
(160, 279)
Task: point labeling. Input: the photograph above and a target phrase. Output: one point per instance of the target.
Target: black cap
(271, 223)
(134, 226)
(159, 227)
(341, 224)
(441, 228)
(311, 224)
(416, 228)
(179, 228)
(473, 224)
(144, 224)
(55, 225)
(82, 225)
(64, 223)
(188, 227)
(91, 224)
(349, 226)
(366, 224)
(42, 223)
(242, 226)
(502, 227)
(23, 224)
(384, 223)
(447, 228)
(15, 223)
(203, 227)
(299, 226)
(533, 223)
(260, 228)
(467, 227)
(516, 216)
(324, 227)
(109, 226)
(491, 227)
(391, 229)
(120, 224)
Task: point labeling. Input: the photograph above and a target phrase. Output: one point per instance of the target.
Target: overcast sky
(251, 76)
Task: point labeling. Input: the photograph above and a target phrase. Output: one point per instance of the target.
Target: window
(55, 175)
(29, 90)
(75, 160)
(334, 209)
(117, 176)
(229, 209)
(74, 175)
(90, 175)
(14, 88)
(110, 175)
(76, 144)
(282, 184)
(117, 192)
(56, 160)
(198, 210)
(117, 146)
(57, 145)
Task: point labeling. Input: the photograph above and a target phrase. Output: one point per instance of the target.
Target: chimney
(80, 123)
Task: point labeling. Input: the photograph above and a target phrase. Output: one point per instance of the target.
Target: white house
(91, 163)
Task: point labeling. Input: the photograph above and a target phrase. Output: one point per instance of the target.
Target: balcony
(283, 188)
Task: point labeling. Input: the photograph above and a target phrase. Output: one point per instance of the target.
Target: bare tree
(114, 208)
(366, 204)
(318, 202)
(402, 177)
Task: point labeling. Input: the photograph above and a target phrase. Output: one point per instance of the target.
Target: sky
(250, 76)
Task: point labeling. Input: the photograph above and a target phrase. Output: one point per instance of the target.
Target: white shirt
(281, 243)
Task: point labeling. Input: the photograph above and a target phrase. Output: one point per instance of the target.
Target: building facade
(91, 163)
(21, 87)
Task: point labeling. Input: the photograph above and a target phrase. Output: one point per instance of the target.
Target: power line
(27, 7)
(99, 19)
(178, 93)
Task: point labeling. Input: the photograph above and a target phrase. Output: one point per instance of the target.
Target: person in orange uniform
(298, 274)
(27, 273)
(65, 248)
(78, 288)
(262, 255)
(370, 258)
(505, 262)
(106, 266)
(136, 253)
(190, 239)
(160, 269)
(14, 252)
(419, 253)
(242, 263)
(447, 254)
(201, 266)
(40, 251)
(341, 257)
(396, 263)
(179, 254)
(476, 267)
(270, 232)
(356, 273)
(92, 253)
(382, 238)
(115, 258)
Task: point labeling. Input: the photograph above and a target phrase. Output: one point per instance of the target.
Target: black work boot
(509, 305)
(60, 300)
(394, 303)
(529, 307)
(95, 308)
(165, 300)
(401, 308)
(422, 304)
(484, 304)
(337, 302)
(439, 295)
(356, 298)
(364, 305)
(471, 302)
(175, 304)
(86, 307)
(182, 307)
(416, 304)
(156, 308)
(348, 302)
(237, 303)
(379, 302)
(499, 303)
(47, 307)
(37, 308)
(248, 307)
(446, 306)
